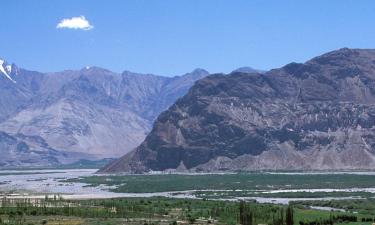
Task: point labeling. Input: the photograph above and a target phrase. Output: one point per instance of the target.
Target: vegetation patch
(239, 181)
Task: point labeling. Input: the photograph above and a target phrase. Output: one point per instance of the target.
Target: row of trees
(280, 217)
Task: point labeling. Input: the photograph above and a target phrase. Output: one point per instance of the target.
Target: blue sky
(172, 37)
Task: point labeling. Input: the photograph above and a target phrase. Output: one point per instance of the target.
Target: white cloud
(79, 22)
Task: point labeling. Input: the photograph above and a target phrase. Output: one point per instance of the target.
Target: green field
(361, 206)
(240, 181)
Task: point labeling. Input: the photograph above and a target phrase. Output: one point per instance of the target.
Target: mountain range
(57, 118)
(317, 115)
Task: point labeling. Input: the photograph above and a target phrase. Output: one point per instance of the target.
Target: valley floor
(81, 197)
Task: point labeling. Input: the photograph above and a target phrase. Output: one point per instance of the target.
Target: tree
(246, 216)
(289, 216)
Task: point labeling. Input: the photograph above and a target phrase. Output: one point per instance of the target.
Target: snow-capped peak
(6, 70)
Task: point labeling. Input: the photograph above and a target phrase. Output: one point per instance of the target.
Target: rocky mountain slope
(93, 113)
(319, 115)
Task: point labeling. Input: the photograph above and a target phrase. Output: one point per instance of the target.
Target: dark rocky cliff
(317, 115)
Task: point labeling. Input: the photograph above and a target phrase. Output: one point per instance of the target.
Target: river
(38, 183)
